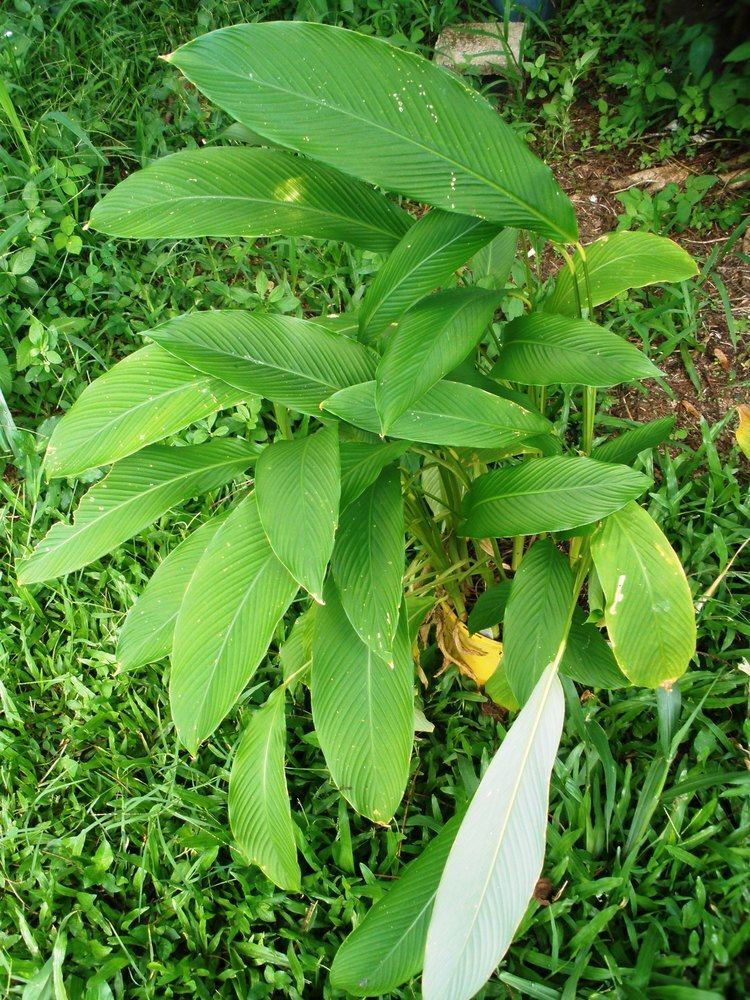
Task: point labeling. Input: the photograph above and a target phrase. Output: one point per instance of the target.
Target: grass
(117, 876)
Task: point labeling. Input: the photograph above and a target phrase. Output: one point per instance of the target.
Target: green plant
(473, 471)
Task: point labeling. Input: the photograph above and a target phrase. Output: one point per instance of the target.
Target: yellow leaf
(476, 656)
(743, 429)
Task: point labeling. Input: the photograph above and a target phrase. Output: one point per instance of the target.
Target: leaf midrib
(348, 219)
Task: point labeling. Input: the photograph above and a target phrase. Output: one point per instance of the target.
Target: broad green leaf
(344, 324)
(298, 484)
(431, 251)
(288, 360)
(146, 634)
(617, 262)
(468, 373)
(490, 607)
(492, 264)
(649, 611)
(547, 494)
(432, 338)
(260, 816)
(362, 710)
(535, 625)
(142, 399)
(236, 597)
(625, 448)
(362, 463)
(379, 113)
(368, 562)
(588, 657)
(234, 191)
(295, 655)
(542, 349)
(450, 413)
(136, 492)
(497, 856)
(387, 948)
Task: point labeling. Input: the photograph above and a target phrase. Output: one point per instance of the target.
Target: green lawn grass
(116, 874)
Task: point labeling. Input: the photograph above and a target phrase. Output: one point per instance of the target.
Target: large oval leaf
(228, 191)
(435, 246)
(451, 413)
(368, 562)
(541, 349)
(259, 813)
(387, 948)
(147, 632)
(497, 856)
(429, 341)
(374, 111)
(136, 492)
(142, 399)
(617, 262)
(291, 361)
(363, 711)
(537, 617)
(362, 463)
(649, 614)
(235, 599)
(547, 494)
(298, 484)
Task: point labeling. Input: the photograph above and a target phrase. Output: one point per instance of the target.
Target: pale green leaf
(146, 634)
(235, 191)
(298, 484)
(617, 262)
(236, 597)
(451, 413)
(626, 447)
(432, 338)
(426, 257)
(542, 349)
(295, 655)
(288, 360)
(362, 463)
(649, 610)
(379, 113)
(547, 494)
(368, 561)
(497, 856)
(387, 948)
(142, 399)
(260, 816)
(537, 616)
(136, 492)
(363, 711)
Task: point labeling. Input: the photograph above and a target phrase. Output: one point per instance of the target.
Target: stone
(480, 47)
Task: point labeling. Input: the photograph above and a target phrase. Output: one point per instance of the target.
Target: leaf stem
(517, 556)
(283, 421)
